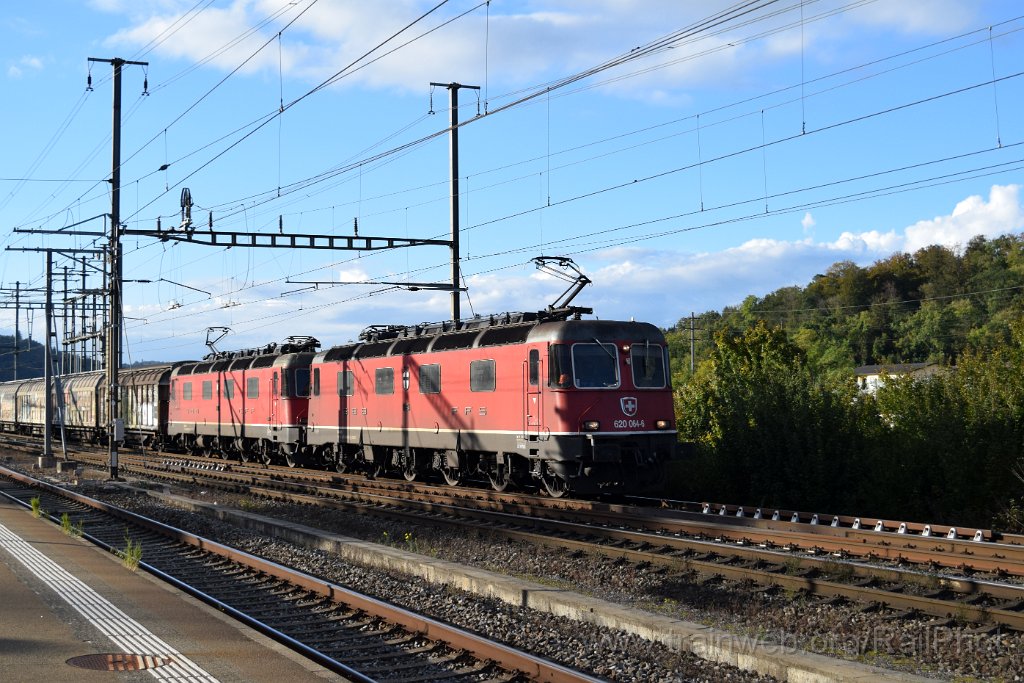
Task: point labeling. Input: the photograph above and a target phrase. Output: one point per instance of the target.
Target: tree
(767, 431)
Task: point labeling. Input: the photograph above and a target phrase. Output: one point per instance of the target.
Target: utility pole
(453, 92)
(48, 364)
(116, 425)
(64, 368)
(17, 329)
(81, 347)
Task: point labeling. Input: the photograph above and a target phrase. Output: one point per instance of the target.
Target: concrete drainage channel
(710, 644)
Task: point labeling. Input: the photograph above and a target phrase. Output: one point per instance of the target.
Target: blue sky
(736, 157)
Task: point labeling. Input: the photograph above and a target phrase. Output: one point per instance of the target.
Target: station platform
(64, 600)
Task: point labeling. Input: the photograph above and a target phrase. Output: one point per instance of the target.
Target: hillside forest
(772, 416)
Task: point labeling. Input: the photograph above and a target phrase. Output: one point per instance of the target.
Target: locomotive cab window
(481, 375)
(595, 366)
(559, 366)
(430, 379)
(648, 363)
(384, 380)
(534, 367)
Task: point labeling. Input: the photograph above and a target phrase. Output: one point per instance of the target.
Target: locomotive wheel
(499, 479)
(410, 473)
(452, 476)
(555, 486)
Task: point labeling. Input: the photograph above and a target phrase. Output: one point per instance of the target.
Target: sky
(685, 155)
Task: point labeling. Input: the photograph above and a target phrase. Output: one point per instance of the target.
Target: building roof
(892, 368)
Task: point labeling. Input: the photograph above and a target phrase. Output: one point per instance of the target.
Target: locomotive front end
(610, 409)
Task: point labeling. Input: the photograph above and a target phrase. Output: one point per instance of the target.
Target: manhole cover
(118, 661)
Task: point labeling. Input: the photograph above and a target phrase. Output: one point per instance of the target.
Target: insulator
(209, 222)
(88, 83)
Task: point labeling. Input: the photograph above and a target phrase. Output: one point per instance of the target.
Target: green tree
(766, 430)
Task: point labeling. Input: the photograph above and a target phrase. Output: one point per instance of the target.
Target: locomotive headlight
(661, 424)
(591, 426)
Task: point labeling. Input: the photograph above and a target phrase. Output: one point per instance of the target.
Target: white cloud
(27, 63)
(524, 41)
(808, 222)
(918, 16)
(871, 241)
(973, 216)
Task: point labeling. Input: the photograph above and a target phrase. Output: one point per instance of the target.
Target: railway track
(805, 559)
(925, 546)
(904, 570)
(355, 635)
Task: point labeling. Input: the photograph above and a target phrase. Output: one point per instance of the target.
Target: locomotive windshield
(648, 363)
(595, 365)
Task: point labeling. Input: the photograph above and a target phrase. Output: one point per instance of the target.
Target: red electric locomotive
(569, 404)
(249, 404)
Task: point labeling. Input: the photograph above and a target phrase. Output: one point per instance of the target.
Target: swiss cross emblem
(628, 406)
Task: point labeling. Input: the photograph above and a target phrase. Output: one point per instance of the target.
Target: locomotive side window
(430, 379)
(273, 385)
(186, 391)
(534, 368)
(559, 366)
(300, 382)
(171, 393)
(207, 390)
(595, 366)
(648, 363)
(316, 381)
(481, 375)
(346, 383)
(229, 388)
(252, 387)
(384, 380)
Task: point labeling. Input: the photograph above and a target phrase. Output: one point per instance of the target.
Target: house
(871, 377)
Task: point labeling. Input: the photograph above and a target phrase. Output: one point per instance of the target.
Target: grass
(37, 507)
(71, 529)
(131, 556)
